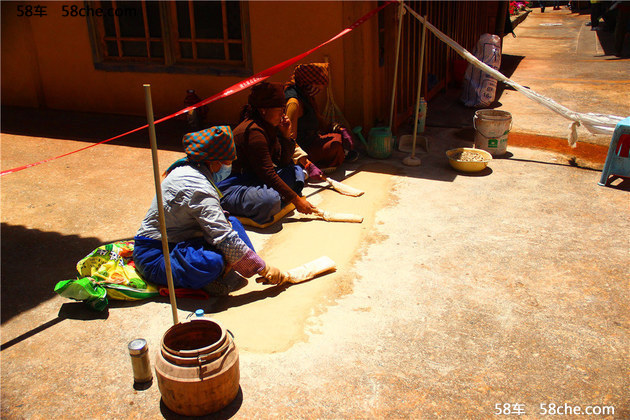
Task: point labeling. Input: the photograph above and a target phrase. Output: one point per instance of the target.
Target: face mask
(221, 174)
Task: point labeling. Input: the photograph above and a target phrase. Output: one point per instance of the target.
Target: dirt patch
(586, 155)
(275, 318)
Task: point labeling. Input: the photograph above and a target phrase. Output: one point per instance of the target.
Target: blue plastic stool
(617, 159)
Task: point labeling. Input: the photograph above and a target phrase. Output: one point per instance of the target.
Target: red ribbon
(244, 84)
(181, 292)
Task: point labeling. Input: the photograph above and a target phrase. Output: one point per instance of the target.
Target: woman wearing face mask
(204, 244)
(264, 177)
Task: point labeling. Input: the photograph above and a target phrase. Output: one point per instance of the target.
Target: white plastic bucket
(491, 130)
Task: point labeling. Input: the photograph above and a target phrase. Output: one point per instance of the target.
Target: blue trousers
(246, 195)
(194, 262)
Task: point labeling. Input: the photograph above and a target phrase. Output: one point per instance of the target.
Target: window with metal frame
(175, 36)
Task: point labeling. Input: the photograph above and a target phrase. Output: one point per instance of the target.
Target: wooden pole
(391, 110)
(412, 160)
(160, 202)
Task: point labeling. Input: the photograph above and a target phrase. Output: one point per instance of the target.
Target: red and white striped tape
(244, 84)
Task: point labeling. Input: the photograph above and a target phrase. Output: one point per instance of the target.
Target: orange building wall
(282, 30)
(47, 61)
(20, 75)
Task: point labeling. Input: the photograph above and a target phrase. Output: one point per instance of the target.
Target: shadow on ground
(70, 310)
(91, 127)
(606, 38)
(226, 412)
(509, 64)
(33, 261)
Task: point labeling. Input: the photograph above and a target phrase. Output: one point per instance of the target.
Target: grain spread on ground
(468, 156)
(272, 319)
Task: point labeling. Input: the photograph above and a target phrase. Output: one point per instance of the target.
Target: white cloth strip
(595, 123)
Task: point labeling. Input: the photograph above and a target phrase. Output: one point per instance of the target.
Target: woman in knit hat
(324, 144)
(204, 244)
(264, 177)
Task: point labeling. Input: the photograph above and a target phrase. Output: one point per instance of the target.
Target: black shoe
(352, 156)
(216, 288)
(224, 285)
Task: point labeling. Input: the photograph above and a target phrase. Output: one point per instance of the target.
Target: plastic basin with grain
(466, 159)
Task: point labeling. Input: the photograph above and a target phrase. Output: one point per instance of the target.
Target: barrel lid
(137, 346)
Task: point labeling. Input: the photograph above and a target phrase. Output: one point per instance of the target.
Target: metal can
(139, 352)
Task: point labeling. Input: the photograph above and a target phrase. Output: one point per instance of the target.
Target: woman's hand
(285, 127)
(303, 206)
(314, 173)
(272, 275)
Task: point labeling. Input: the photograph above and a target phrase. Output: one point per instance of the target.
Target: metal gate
(462, 21)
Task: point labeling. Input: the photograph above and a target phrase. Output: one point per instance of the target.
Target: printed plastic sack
(107, 271)
(479, 87)
(92, 294)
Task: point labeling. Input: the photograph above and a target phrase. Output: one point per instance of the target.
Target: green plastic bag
(107, 271)
(92, 294)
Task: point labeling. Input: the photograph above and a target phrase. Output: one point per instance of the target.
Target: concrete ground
(499, 294)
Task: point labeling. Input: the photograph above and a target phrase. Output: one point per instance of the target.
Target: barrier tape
(244, 84)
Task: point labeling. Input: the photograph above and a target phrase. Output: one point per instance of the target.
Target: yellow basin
(468, 166)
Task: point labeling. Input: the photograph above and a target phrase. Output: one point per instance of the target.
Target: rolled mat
(311, 269)
(330, 216)
(344, 189)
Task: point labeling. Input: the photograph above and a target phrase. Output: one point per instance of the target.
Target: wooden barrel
(197, 368)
